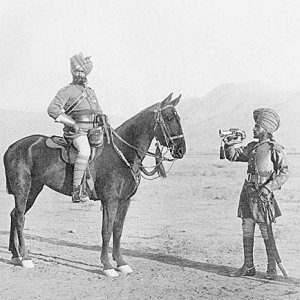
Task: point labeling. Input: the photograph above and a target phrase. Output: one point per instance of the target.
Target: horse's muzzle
(178, 149)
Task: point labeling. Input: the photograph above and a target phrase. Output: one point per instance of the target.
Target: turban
(81, 63)
(267, 118)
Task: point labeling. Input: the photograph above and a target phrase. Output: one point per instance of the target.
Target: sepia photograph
(149, 149)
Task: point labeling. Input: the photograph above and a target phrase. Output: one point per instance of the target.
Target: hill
(231, 105)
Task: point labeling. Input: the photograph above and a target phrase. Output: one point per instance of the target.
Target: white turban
(267, 118)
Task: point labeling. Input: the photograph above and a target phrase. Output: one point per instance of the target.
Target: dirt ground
(181, 238)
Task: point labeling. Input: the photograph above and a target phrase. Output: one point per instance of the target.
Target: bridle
(159, 157)
(165, 130)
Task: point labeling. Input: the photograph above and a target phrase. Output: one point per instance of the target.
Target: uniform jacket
(267, 162)
(67, 95)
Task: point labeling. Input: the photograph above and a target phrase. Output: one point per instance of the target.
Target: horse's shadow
(221, 270)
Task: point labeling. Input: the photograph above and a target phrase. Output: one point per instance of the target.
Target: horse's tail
(8, 185)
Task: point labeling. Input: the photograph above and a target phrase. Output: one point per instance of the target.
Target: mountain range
(227, 106)
(231, 106)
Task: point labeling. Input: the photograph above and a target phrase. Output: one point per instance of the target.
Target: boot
(79, 187)
(271, 268)
(80, 195)
(248, 268)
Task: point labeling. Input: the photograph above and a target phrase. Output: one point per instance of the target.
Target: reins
(148, 153)
(159, 157)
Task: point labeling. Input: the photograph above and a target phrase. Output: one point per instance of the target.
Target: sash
(76, 102)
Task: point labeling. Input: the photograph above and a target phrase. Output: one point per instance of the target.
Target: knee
(83, 154)
(82, 158)
(84, 150)
(82, 146)
(248, 226)
(263, 230)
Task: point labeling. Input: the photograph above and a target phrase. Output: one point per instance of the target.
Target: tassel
(159, 165)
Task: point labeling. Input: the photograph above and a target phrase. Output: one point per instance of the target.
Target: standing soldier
(267, 172)
(76, 106)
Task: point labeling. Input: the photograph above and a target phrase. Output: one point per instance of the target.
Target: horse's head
(168, 129)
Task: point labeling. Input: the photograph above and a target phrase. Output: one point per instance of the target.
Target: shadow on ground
(163, 258)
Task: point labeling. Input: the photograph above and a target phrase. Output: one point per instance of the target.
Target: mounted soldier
(76, 106)
(267, 172)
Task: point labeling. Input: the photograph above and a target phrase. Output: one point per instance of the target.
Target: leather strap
(256, 178)
(76, 103)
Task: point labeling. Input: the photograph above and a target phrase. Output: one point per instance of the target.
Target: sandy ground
(181, 238)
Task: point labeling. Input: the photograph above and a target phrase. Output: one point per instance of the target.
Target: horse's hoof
(125, 269)
(110, 273)
(27, 263)
(16, 261)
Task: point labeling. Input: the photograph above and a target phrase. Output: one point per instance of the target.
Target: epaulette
(276, 146)
(64, 88)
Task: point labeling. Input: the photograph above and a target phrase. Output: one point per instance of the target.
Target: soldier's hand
(75, 128)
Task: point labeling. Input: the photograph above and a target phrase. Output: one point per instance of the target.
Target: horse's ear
(165, 102)
(176, 101)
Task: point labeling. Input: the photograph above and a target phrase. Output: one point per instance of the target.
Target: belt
(84, 118)
(256, 178)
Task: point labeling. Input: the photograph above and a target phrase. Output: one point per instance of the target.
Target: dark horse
(30, 164)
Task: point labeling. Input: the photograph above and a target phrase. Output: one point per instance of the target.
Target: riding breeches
(81, 143)
(248, 226)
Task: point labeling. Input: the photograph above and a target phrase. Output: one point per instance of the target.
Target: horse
(30, 164)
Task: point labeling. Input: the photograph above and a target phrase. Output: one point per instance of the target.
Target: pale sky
(143, 50)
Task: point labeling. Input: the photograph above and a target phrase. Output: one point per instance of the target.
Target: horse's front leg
(117, 233)
(110, 207)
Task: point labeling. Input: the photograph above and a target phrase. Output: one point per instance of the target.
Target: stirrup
(80, 195)
(243, 271)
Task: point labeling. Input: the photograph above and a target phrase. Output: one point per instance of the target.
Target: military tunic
(267, 167)
(66, 97)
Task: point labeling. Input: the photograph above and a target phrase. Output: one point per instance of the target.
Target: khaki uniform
(84, 114)
(267, 171)
(87, 108)
(268, 167)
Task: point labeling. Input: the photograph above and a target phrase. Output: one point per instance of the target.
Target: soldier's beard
(79, 80)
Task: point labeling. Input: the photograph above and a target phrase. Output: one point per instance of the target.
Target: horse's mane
(141, 124)
(138, 119)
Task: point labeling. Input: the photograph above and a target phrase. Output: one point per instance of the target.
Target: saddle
(68, 155)
(67, 150)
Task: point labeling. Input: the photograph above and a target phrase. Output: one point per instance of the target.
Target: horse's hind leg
(117, 233)
(13, 237)
(17, 241)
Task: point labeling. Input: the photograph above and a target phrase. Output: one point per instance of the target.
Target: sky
(143, 50)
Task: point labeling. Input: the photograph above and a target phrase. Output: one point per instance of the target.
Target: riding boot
(80, 195)
(79, 188)
(271, 268)
(248, 268)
